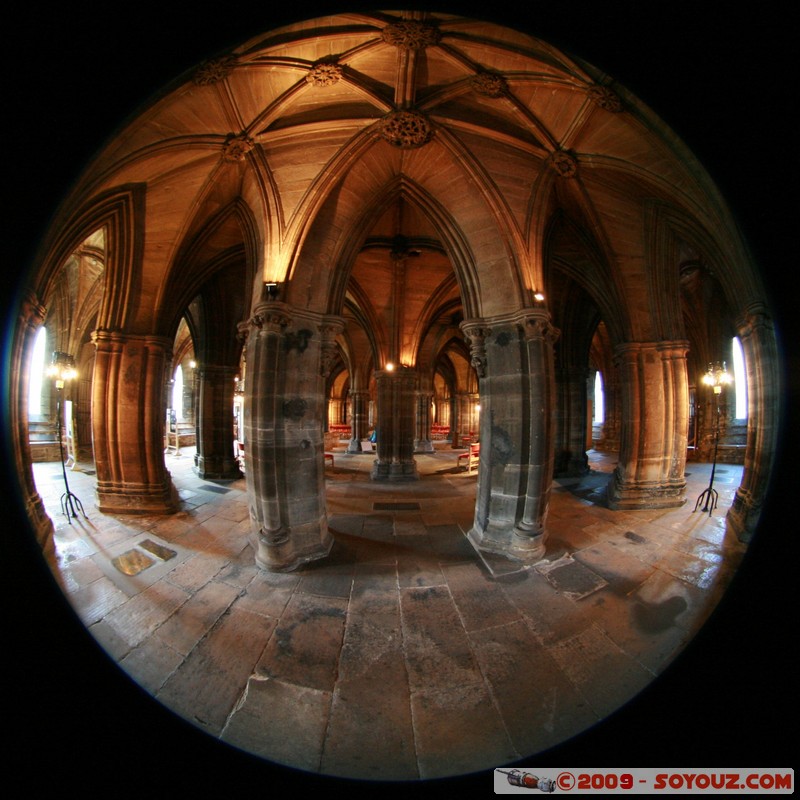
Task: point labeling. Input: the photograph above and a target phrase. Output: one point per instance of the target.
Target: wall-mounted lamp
(389, 366)
(538, 297)
(716, 377)
(62, 370)
(271, 289)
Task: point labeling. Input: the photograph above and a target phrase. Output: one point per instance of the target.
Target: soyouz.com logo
(646, 781)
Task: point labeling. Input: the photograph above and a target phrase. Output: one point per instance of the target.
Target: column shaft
(571, 422)
(284, 408)
(359, 401)
(396, 425)
(655, 413)
(764, 406)
(513, 357)
(215, 457)
(128, 415)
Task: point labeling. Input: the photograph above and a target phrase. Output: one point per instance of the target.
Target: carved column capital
(329, 329)
(754, 318)
(109, 339)
(32, 312)
(243, 331)
(270, 317)
(476, 332)
(536, 325)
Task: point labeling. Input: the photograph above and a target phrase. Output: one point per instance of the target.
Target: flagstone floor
(404, 655)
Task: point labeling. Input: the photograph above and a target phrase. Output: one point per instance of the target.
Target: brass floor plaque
(164, 553)
(132, 562)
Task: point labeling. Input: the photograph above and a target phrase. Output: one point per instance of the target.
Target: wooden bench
(178, 432)
(328, 457)
(472, 456)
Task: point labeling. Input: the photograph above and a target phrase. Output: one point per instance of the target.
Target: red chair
(472, 456)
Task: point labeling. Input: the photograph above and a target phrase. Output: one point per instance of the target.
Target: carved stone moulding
(406, 129)
(606, 98)
(489, 84)
(324, 73)
(563, 163)
(237, 147)
(214, 70)
(410, 34)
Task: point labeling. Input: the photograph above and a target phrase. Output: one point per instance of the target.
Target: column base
(214, 469)
(514, 544)
(129, 499)
(43, 530)
(285, 550)
(572, 466)
(423, 446)
(394, 472)
(640, 494)
(742, 518)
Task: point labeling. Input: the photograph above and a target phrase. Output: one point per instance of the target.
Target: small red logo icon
(565, 781)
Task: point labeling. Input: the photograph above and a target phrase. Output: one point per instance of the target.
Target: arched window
(177, 394)
(36, 374)
(599, 407)
(739, 379)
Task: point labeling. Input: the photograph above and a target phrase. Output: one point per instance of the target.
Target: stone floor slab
(458, 730)
(210, 681)
(539, 705)
(571, 578)
(281, 722)
(190, 623)
(481, 603)
(304, 649)
(591, 653)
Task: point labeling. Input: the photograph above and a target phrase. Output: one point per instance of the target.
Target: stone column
(654, 391)
(359, 401)
(422, 440)
(764, 407)
(336, 411)
(128, 414)
(396, 425)
(215, 457)
(284, 408)
(571, 422)
(456, 420)
(513, 357)
(467, 413)
(528, 541)
(30, 318)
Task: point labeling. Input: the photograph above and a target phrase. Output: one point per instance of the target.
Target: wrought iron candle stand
(716, 376)
(62, 369)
